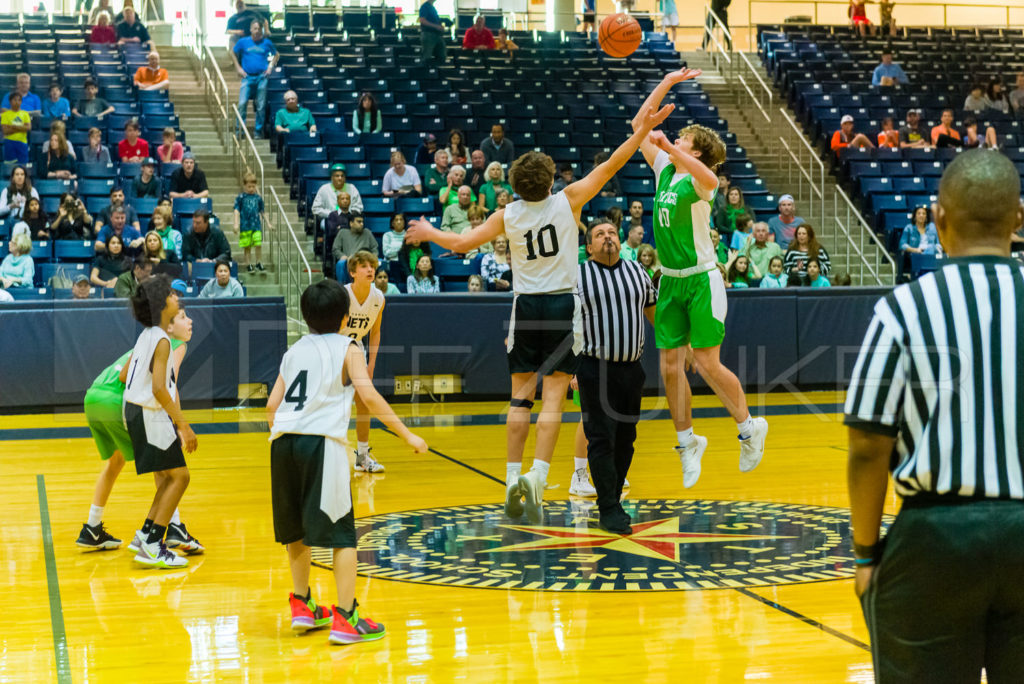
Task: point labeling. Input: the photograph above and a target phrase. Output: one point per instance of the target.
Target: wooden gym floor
(673, 615)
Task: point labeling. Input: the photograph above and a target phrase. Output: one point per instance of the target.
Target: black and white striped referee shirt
(942, 370)
(612, 301)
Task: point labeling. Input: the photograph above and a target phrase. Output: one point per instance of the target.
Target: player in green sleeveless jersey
(106, 424)
(690, 317)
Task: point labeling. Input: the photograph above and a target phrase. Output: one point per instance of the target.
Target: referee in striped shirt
(615, 297)
(936, 399)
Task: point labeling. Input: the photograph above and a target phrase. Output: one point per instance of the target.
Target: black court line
(453, 460)
(803, 618)
(60, 641)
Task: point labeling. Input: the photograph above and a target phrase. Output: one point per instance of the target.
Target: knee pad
(521, 403)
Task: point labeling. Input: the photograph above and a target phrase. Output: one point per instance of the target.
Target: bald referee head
(979, 204)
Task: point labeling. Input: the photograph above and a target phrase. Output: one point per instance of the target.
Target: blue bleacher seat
(74, 250)
(189, 205)
(42, 250)
(96, 170)
(143, 206)
(599, 206)
(379, 206)
(29, 293)
(415, 206)
(98, 187)
(52, 187)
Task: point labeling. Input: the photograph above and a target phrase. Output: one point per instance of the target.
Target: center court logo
(676, 545)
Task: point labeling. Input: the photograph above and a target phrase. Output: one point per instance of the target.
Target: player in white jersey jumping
(544, 334)
(365, 306)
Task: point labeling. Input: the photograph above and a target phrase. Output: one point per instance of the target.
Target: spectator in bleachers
(170, 151)
(495, 267)
(997, 96)
(423, 280)
(816, 274)
(976, 101)
(647, 256)
(146, 184)
(759, 247)
(189, 180)
(292, 117)
(131, 29)
(153, 249)
(804, 246)
(81, 287)
(738, 274)
(381, 282)
(742, 231)
(475, 283)
(859, 17)
(36, 219)
(255, 57)
(614, 215)
(635, 217)
(16, 124)
(669, 18)
(152, 76)
(326, 199)
(845, 137)
(503, 43)
(109, 266)
(888, 72)
(504, 198)
(427, 150)
(350, 241)
(16, 195)
(457, 151)
(456, 179)
(495, 182)
(971, 139)
(118, 225)
(437, 175)
(58, 127)
(885, 20)
(721, 10)
(56, 106)
(164, 206)
(945, 128)
(241, 20)
(612, 188)
(455, 219)
(96, 151)
(589, 8)
(1017, 95)
(102, 32)
(888, 136)
(102, 7)
(337, 221)
(724, 216)
(73, 222)
(401, 180)
(30, 102)
(117, 200)
(204, 242)
(18, 269)
(497, 148)
(249, 214)
(432, 46)
(566, 177)
(477, 215)
(132, 148)
(366, 117)
(630, 249)
(721, 251)
(920, 235)
(394, 238)
(128, 282)
(785, 224)
(163, 225)
(223, 285)
(476, 174)
(92, 104)
(478, 36)
(59, 162)
(913, 132)
(775, 278)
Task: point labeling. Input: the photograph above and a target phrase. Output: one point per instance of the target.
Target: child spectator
(109, 266)
(36, 219)
(91, 104)
(476, 215)
(163, 226)
(223, 285)
(326, 371)
(775, 278)
(367, 118)
(16, 124)
(494, 267)
(382, 282)
(18, 269)
(844, 280)
(971, 139)
(457, 148)
(888, 136)
(59, 162)
(17, 193)
(96, 151)
(721, 252)
(146, 184)
(132, 148)
(423, 280)
(505, 44)
(815, 278)
(475, 284)
(55, 106)
(743, 229)
(155, 423)
(739, 275)
(249, 215)
(171, 151)
(394, 238)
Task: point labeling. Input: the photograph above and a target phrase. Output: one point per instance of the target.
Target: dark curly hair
(150, 299)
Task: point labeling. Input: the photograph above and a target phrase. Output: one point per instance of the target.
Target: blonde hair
(22, 242)
(708, 143)
(475, 211)
(645, 249)
(166, 214)
(487, 171)
(249, 177)
(160, 253)
(360, 258)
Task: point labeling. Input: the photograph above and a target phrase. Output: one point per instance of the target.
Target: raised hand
(650, 119)
(683, 75)
(659, 140)
(418, 230)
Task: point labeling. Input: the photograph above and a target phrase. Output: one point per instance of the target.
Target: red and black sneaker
(306, 615)
(349, 628)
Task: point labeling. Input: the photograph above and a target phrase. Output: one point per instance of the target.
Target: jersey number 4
(296, 393)
(547, 243)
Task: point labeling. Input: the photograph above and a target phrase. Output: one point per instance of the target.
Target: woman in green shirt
(366, 118)
(495, 176)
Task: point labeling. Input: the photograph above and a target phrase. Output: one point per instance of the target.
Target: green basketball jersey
(110, 379)
(682, 220)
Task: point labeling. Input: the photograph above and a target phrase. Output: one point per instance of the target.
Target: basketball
(619, 35)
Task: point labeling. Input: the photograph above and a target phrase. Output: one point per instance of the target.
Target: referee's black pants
(947, 597)
(610, 396)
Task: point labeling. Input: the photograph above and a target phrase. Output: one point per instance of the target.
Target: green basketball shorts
(690, 311)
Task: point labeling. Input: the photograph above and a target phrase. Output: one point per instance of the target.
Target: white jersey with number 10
(543, 243)
(315, 400)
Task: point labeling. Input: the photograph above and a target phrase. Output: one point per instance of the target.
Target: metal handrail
(246, 156)
(293, 263)
(818, 187)
(709, 32)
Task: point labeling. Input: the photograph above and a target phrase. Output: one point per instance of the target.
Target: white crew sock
(745, 427)
(542, 468)
(685, 437)
(362, 448)
(512, 473)
(175, 518)
(580, 463)
(95, 515)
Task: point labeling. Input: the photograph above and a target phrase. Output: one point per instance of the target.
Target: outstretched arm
(488, 230)
(585, 189)
(355, 367)
(654, 101)
(704, 179)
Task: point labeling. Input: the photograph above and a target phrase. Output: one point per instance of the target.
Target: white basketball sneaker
(752, 448)
(531, 486)
(690, 458)
(156, 555)
(513, 500)
(580, 484)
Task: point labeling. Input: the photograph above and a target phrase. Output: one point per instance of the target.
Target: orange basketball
(619, 35)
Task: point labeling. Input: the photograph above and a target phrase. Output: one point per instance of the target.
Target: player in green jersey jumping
(691, 299)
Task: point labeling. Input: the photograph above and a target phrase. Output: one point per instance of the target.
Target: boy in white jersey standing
(155, 423)
(544, 334)
(365, 309)
(691, 299)
(308, 411)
